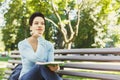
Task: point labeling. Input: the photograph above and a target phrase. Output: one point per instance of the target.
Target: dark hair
(36, 14)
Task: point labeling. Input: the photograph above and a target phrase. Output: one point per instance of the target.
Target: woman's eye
(35, 23)
(42, 23)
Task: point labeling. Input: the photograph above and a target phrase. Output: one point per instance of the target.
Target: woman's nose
(39, 25)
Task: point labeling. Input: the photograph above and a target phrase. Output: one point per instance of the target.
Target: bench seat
(94, 63)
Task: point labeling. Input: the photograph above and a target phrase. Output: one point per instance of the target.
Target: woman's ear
(31, 32)
(30, 28)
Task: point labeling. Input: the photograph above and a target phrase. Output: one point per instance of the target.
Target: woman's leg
(33, 74)
(49, 75)
(40, 72)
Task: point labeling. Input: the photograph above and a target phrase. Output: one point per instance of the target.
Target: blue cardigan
(44, 53)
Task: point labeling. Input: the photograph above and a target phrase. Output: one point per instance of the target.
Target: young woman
(34, 49)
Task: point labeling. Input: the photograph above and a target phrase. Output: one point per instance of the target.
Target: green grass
(4, 58)
(77, 78)
(2, 73)
(2, 70)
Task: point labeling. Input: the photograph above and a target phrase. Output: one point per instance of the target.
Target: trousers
(41, 72)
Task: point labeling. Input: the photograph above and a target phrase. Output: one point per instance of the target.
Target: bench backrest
(97, 63)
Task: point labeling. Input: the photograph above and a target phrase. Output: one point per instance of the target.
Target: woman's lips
(39, 29)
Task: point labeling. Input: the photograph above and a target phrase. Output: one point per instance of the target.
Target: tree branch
(78, 17)
(55, 11)
(61, 25)
(51, 21)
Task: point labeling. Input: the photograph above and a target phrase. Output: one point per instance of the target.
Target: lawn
(77, 78)
(3, 59)
(2, 73)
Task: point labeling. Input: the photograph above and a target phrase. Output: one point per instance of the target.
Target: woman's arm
(50, 53)
(51, 58)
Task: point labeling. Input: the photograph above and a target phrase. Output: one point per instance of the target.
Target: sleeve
(51, 53)
(27, 52)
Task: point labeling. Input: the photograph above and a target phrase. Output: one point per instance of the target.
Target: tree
(62, 9)
(114, 29)
(86, 30)
(96, 22)
(1, 2)
(106, 18)
(10, 29)
(16, 27)
(81, 24)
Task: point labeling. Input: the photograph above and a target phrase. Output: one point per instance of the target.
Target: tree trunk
(68, 45)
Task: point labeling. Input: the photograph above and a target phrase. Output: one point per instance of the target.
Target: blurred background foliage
(98, 26)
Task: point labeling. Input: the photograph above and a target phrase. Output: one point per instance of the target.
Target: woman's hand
(35, 33)
(54, 67)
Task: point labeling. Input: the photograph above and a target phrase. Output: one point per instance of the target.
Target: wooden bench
(94, 63)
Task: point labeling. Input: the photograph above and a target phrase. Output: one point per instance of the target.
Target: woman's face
(38, 26)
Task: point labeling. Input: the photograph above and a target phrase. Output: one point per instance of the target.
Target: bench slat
(89, 51)
(8, 72)
(15, 56)
(90, 75)
(15, 61)
(93, 66)
(6, 76)
(11, 66)
(85, 66)
(82, 58)
(84, 50)
(89, 58)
